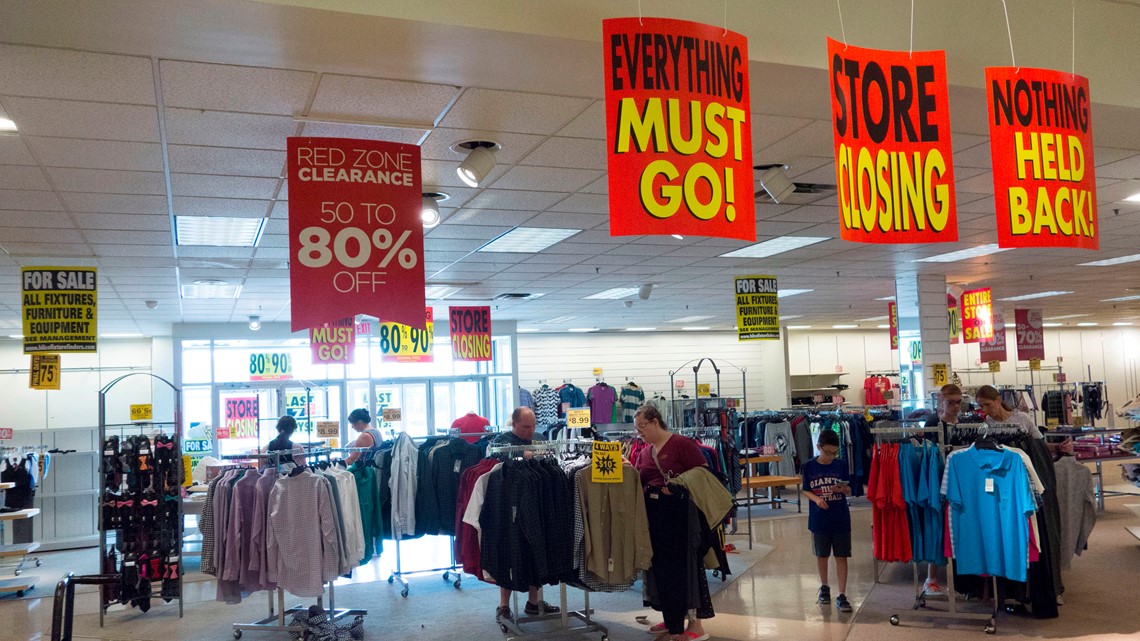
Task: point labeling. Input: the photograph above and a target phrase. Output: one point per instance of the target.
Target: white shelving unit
(808, 384)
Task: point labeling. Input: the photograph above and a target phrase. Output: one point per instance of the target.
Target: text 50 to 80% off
(352, 246)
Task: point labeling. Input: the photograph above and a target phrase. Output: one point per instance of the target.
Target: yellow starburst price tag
(605, 462)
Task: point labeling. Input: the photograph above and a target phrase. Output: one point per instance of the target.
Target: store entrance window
(245, 417)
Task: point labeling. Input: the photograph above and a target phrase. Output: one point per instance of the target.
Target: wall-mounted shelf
(807, 383)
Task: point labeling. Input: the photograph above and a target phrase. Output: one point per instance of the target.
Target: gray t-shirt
(779, 435)
(1022, 420)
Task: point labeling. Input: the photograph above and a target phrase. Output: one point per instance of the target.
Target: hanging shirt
(632, 398)
(470, 423)
(526, 399)
(569, 395)
(779, 435)
(990, 498)
(601, 398)
(823, 481)
(1022, 420)
(545, 406)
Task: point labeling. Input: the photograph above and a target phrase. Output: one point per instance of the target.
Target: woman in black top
(286, 425)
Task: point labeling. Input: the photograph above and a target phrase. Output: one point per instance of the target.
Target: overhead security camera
(151, 304)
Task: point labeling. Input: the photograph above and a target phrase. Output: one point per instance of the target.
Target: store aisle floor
(774, 599)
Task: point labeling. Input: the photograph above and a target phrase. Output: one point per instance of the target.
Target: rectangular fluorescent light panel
(528, 330)
(1109, 262)
(774, 246)
(527, 240)
(120, 335)
(641, 329)
(799, 326)
(962, 254)
(211, 291)
(613, 294)
(1052, 324)
(439, 292)
(844, 327)
(791, 316)
(1121, 298)
(784, 293)
(688, 319)
(1037, 295)
(1053, 318)
(873, 319)
(1134, 198)
(1122, 324)
(886, 298)
(582, 330)
(700, 329)
(220, 231)
(1086, 324)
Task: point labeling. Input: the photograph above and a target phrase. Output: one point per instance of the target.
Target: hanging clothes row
(906, 503)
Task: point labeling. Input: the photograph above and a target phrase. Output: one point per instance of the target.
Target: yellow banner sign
(404, 344)
(578, 418)
(995, 366)
(704, 389)
(605, 462)
(270, 367)
(1035, 364)
(941, 374)
(142, 412)
(59, 306)
(757, 308)
(44, 373)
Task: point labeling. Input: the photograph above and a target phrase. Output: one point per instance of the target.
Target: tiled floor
(773, 599)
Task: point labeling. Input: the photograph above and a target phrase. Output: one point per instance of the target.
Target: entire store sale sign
(893, 158)
(977, 315)
(1041, 145)
(356, 239)
(678, 128)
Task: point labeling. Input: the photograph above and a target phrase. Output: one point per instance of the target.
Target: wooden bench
(756, 482)
(773, 498)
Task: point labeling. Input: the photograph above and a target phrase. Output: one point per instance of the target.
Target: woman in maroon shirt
(667, 456)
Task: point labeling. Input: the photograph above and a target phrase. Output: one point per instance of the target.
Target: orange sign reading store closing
(1041, 146)
(893, 158)
(678, 128)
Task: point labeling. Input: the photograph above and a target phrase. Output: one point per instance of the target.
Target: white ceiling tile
(273, 240)
(23, 177)
(489, 217)
(97, 154)
(815, 139)
(1127, 169)
(221, 160)
(11, 237)
(227, 129)
(513, 111)
(514, 200)
(514, 146)
(566, 220)
(131, 237)
(406, 135)
(29, 200)
(222, 186)
(454, 230)
(13, 151)
(584, 203)
(599, 186)
(45, 219)
(546, 178)
(233, 88)
(106, 181)
(144, 251)
(126, 222)
(980, 184)
(92, 120)
(579, 153)
(75, 75)
(380, 99)
(197, 251)
(115, 203)
(591, 123)
(238, 208)
(134, 263)
(767, 130)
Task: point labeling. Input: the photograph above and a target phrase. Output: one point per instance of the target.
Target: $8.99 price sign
(403, 344)
(355, 233)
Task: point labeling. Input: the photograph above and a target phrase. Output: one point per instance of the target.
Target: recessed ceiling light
(774, 246)
(688, 319)
(678, 236)
(7, 125)
(872, 319)
(211, 291)
(1134, 198)
(886, 298)
(791, 316)
(16, 336)
(799, 326)
(218, 231)
(120, 335)
(962, 254)
(527, 240)
(582, 330)
(1108, 262)
(1118, 299)
(1032, 296)
(528, 330)
(784, 293)
(210, 281)
(440, 292)
(1066, 316)
(1086, 324)
(699, 329)
(1122, 324)
(1052, 324)
(613, 294)
(844, 327)
(641, 329)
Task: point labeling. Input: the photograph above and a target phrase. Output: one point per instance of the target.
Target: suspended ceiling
(132, 112)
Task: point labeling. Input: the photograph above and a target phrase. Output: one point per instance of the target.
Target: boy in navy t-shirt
(827, 486)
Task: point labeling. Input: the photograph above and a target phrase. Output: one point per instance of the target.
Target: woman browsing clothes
(677, 584)
(361, 421)
(989, 399)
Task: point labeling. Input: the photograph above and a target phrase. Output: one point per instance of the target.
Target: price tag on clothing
(605, 462)
(989, 486)
(578, 418)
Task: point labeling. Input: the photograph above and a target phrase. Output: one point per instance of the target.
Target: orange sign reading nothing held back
(1042, 150)
(893, 157)
(678, 128)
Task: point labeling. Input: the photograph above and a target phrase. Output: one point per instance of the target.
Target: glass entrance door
(245, 417)
(310, 405)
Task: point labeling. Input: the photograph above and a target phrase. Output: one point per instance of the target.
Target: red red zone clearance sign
(1030, 334)
(893, 158)
(1041, 145)
(994, 349)
(356, 240)
(678, 128)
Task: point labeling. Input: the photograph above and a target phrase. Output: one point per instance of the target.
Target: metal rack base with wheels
(275, 622)
(513, 629)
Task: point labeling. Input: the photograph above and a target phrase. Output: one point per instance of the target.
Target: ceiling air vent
(515, 296)
(802, 194)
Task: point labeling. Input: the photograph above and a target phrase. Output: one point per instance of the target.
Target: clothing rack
(952, 611)
(275, 622)
(398, 574)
